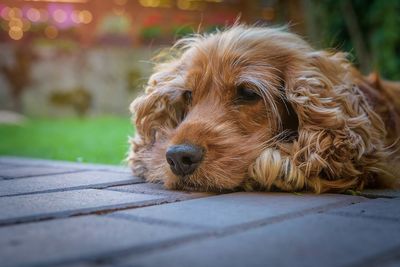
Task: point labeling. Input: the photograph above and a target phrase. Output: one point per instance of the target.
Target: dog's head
(245, 105)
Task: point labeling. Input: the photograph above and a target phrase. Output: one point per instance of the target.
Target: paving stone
(237, 208)
(62, 204)
(21, 161)
(28, 171)
(380, 209)
(158, 189)
(85, 179)
(50, 243)
(6, 167)
(381, 193)
(2, 164)
(390, 258)
(314, 240)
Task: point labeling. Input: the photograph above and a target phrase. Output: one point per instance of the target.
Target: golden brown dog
(257, 108)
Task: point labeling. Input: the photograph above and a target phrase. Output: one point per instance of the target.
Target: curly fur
(321, 126)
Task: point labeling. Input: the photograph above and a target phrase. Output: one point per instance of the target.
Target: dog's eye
(245, 94)
(187, 95)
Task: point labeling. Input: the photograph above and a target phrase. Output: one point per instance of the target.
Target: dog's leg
(272, 169)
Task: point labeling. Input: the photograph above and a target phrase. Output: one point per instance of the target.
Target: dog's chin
(192, 183)
(190, 187)
(185, 186)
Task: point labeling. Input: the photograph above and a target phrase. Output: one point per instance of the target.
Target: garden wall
(69, 81)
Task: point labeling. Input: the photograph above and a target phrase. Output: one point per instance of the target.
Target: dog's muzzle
(184, 159)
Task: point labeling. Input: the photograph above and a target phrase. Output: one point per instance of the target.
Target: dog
(257, 108)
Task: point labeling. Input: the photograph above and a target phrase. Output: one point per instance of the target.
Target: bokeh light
(15, 12)
(15, 22)
(60, 16)
(33, 14)
(75, 17)
(16, 33)
(4, 12)
(85, 16)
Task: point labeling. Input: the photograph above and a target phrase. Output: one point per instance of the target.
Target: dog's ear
(288, 117)
(339, 134)
(163, 105)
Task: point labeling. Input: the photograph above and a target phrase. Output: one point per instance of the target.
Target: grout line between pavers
(82, 212)
(375, 196)
(65, 172)
(179, 197)
(44, 174)
(152, 221)
(370, 196)
(73, 188)
(349, 214)
(35, 162)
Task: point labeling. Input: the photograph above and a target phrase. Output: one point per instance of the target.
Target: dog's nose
(184, 159)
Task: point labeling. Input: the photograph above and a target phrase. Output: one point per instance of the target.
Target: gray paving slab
(158, 189)
(12, 172)
(51, 243)
(85, 179)
(238, 208)
(22, 161)
(3, 164)
(62, 204)
(6, 167)
(390, 258)
(380, 209)
(314, 240)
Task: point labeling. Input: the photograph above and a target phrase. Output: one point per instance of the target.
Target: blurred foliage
(151, 32)
(135, 80)
(79, 99)
(378, 29)
(18, 75)
(181, 31)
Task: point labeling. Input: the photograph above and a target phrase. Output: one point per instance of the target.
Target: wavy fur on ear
(160, 109)
(340, 142)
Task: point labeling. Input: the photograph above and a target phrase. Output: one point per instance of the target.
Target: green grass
(97, 140)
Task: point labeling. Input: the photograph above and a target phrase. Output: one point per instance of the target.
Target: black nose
(184, 159)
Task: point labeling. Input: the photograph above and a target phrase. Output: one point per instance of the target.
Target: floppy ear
(340, 141)
(159, 110)
(340, 136)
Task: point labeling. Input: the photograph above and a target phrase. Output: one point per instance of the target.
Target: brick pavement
(69, 214)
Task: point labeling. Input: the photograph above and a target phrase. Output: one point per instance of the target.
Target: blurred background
(70, 68)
